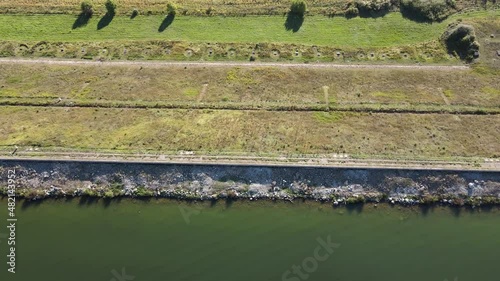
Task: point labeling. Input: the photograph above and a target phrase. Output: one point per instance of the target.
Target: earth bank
(47, 179)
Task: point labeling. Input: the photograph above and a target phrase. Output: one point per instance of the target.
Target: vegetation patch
(491, 91)
(427, 10)
(373, 8)
(460, 40)
(328, 117)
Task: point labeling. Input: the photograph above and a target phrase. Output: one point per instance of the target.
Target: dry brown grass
(194, 7)
(252, 86)
(243, 132)
(388, 135)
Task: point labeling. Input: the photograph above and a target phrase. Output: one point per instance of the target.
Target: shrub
(351, 12)
(171, 9)
(109, 194)
(298, 7)
(368, 6)
(209, 11)
(143, 192)
(460, 39)
(427, 10)
(87, 9)
(135, 13)
(356, 200)
(110, 7)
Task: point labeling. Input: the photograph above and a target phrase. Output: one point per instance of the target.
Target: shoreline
(37, 180)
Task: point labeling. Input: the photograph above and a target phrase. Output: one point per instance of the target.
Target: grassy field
(391, 30)
(389, 135)
(387, 39)
(256, 86)
(250, 131)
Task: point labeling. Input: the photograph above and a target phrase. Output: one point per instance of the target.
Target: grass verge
(250, 88)
(212, 131)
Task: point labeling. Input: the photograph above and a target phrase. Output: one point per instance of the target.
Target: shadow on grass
(166, 22)
(414, 16)
(372, 14)
(293, 22)
(105, 21)
(81, 20)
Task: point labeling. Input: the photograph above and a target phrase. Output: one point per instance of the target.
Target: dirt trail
(229, 64)
(202, 93)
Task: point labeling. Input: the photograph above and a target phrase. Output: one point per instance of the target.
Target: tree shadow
(166, 22)
(229, 202)
(354, 208)
(88, 200)
(372, 14)
(105, 21)
(108, 201)
(81, 20)
(426, 209)
(30, 203)
(293, 22)
(414, 16)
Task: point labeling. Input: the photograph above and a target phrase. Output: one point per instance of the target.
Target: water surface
(83, 240)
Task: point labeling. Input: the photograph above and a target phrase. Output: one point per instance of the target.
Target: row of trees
(88, 10)
(431, 10)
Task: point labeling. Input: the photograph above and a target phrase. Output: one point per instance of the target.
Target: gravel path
(229, 64)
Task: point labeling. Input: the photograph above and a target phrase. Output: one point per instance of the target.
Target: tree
(298, 7)
(171, 9)
(110, 7)
(86, 8)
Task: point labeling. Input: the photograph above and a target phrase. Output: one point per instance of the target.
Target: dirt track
(228, 64)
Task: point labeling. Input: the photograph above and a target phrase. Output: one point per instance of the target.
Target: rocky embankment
(36, 180)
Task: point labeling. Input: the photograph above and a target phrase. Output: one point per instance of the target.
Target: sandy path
(229, 64)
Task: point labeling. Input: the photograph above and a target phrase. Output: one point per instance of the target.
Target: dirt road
(229, 64)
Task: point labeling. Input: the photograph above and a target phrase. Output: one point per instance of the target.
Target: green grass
(491, 91)
(391, 30)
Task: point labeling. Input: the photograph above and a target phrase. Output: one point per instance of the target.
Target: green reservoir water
(255, 241)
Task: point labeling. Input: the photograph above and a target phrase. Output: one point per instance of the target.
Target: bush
(171, 9)
(135, 13)
(110, 7)
(352, 12)
(143, 192)
(460, 40)
(368, 6)
(87, 9)
(356, 200)
(298, 7)
(109, 194)
(427, 10)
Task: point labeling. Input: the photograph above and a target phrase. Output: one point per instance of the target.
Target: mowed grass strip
(231, 87)
(212, 131)
(391, 30)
